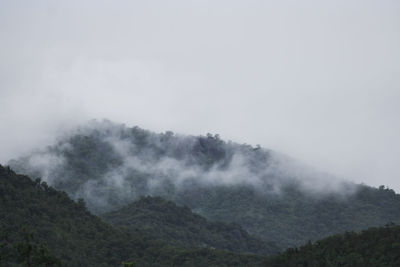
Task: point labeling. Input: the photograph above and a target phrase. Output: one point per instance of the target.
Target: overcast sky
(317, 80)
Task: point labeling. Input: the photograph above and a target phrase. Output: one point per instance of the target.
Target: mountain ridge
(270, 196)
(75, 237)
(22, 200)
(165, 221)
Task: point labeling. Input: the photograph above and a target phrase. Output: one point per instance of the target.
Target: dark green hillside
(65, 227)
(78, 238)
(271, 196)
(41, 226)
(292, 217)
(373, 247)
(165, 221)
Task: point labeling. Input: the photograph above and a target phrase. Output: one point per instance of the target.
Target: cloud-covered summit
(110, 164)
(318, 80)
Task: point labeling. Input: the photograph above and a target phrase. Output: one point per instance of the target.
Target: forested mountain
(271, 196)
(375, 247)
(163, 220)
(41, 226)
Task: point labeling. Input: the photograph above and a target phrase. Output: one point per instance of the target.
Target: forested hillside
(163, 220)
(375, 247)
(270, 195)
(41, 226)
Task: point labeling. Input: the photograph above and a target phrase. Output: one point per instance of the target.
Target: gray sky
(318, 80)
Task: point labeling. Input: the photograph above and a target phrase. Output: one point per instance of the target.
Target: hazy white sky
(318, 80)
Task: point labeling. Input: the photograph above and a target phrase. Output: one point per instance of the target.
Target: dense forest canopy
(41, 226)
(165, 221)
(374, 247)
(269, 194)
(133, 162)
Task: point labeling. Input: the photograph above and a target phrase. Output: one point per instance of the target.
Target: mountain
(163, 220)
(270, 195)
(374, 247)
(41, 226)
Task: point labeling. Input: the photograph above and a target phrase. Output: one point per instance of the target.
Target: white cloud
(318, 80)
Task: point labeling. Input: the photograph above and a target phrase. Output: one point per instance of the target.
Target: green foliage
(44, 227)
(22, 249)
(372, 247)
(129, 264)
(288, 216)
(164, 221)
(291, 218)
(65, 232)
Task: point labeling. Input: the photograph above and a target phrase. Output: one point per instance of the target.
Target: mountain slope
(372, 247)
(79, 238)
(270, 195)
(165, 221)
(293, 218)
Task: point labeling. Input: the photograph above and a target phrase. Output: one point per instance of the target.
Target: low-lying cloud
(136, 162)
(317, 80)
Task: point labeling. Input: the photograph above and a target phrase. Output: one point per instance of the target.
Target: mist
(316, 80)
(110, 165)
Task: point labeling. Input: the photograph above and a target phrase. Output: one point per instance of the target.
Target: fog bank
(317, 80)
